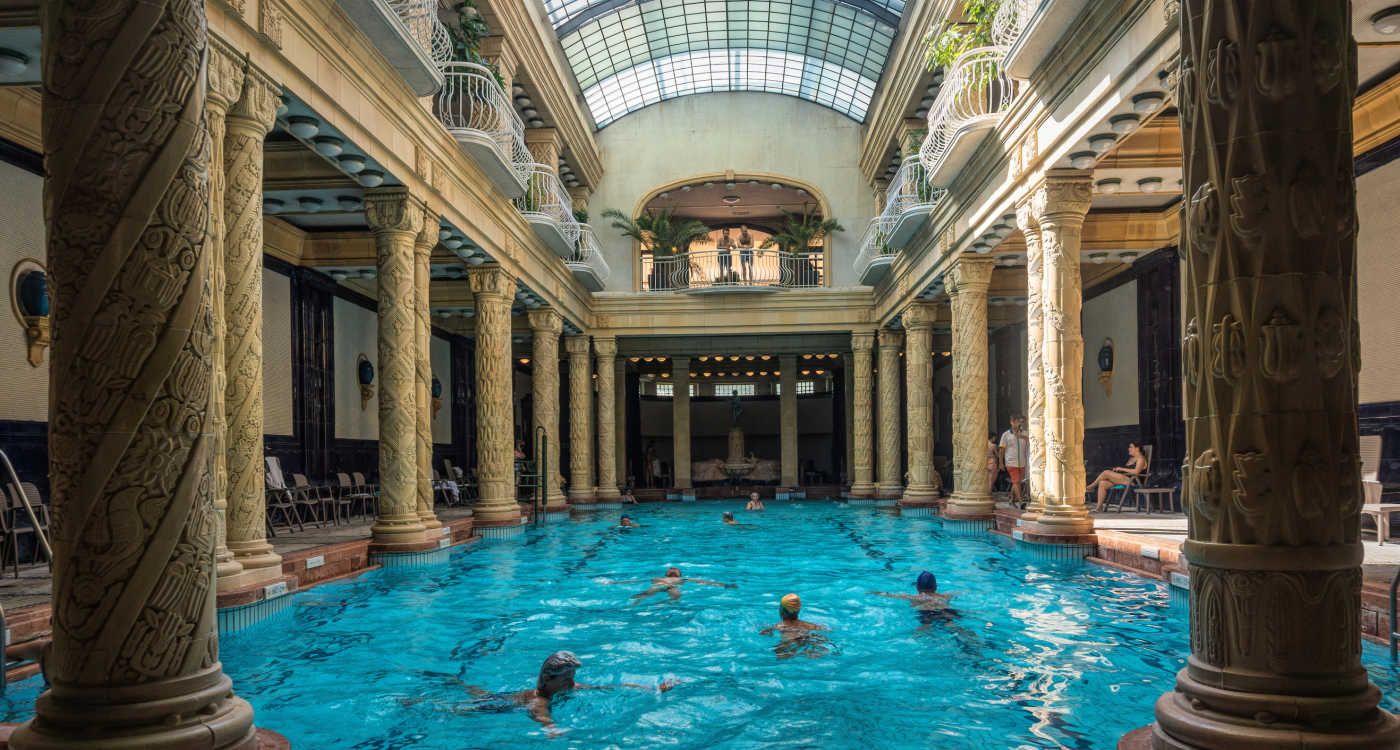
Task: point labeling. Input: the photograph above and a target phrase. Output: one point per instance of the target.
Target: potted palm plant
(665, 235)
(944, 45)
(795, 238)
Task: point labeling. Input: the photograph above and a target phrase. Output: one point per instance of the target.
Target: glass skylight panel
(628, 54)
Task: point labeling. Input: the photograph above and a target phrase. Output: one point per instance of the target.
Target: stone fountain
(736, 466)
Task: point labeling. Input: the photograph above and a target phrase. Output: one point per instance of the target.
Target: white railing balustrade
(875, 252)
(546, 199)
(478, 114)
(588, 258)
(910, 189)
(420, 17)
(1011, 19)
(738, 269)
(974, 96)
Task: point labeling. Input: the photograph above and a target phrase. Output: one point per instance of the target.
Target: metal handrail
(425, 28)
(733, 269)
(587, 252)
(24, 499)
(974, 90)
(1011, 19)
(541, 493)
(546, 199)
(472, 101)
(873, 244)
(910, 188)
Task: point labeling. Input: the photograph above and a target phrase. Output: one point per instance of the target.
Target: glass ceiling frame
(629, 54)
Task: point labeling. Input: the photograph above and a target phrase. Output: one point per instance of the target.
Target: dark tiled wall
(27, 445)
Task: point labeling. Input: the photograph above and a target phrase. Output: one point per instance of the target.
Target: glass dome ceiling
(628, 54)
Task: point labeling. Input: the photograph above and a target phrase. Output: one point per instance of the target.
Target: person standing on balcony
(726, 263)
(746, 254)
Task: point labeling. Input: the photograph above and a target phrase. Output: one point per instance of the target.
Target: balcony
(550, 210)
(974, 96)
(1029, 29)
(587, 263)
(408, 34)
(876, 254)
(479, 115)
(736, 271)
(908, 203)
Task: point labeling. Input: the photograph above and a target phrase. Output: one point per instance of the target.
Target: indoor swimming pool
(1034, 654)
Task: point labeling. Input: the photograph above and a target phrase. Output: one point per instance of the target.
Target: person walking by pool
(671, 583)
(755, 503)
(1014, 451)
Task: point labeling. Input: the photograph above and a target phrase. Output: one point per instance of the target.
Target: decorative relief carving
(270, 22)
(971, 277)
(423, 245)
(1035, 370)
(918, 321)
(862, 414)
(493, 290)
(580, 419)
(135, 648)
(891, 479)
(546, 325)
(605, 350)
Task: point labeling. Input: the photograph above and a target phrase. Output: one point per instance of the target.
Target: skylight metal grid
(628, 54)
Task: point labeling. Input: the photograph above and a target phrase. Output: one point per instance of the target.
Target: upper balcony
(908, 202)
(478, 114)
(549, 209)
(974, 97)
(587, 262)
(876, 254)
(409, 35)
(741, 270)
(1029, 29)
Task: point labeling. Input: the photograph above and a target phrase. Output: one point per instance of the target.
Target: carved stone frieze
(546, 325)
(891, 479)
(862, 414)
(134, 660)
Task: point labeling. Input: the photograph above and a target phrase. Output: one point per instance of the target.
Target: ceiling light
(328, 145)
(273, 205)
(709, 184)
(1083, 159)
(1150, 184)
(452, 243)
(727, 185)
(1123, 124)
(704, 358)
(753, 182)
(1098, 257)
(370, 178)
(303, 127)
(981, 247)
(1109, 185)
(352, 163)
(921, 112)
(283, 106)
(806, 372)
(536, 123)
(310, 203)
(476, 260)
(12, 63)
(517, 90)
(1102, 142)
(634, 360)
(686, 188)
(348, 202)
(523, 101)
(1148, 102)
(729, 200)
(1387, 21)
(1127, 257)
(749, 373)
(776, 186)
(529, 112)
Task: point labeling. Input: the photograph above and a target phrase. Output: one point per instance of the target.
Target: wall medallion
(29, 298)
(364, 371)
(1106, 367)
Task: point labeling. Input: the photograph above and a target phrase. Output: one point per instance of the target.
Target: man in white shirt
(1014, 449)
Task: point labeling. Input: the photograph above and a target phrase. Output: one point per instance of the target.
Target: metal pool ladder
(1394, 635)
(539, 497)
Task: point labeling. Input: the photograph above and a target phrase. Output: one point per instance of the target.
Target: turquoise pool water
(1040, 654)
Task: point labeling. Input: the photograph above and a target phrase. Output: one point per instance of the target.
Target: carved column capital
(919, 316)
(1026, 219)
(862, 341)
(577, 345)
(545, 321)
(394, 210)
(491, 281)
(890, 338)
(1064, 196)
(427, 238)
(605, 346)
(255, 111)
(227, 69)
(970, 275)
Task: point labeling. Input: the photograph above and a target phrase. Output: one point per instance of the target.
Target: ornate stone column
(1035, 371)
(967, 283)
(891, 480)
(226, 73)
(620, 417)
(423, 246)
(862, 414)
(545, 326)
(493, 291)
(924, 483)
(134, 661)
(1270, 364)
(248, 123)
(581, 489)
(396, 217)
(787, 420)
(1060, 206)
(680, 422)
(605, 354)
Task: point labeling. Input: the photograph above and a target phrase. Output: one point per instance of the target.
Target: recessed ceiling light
(1123, 124)
(328, 145)
(776, 186)
(1148, 101)
(348, 202)
(273, 205)
(1083, 159)
(303, 127)
(729, 200)
(12, 63)
(1102, 142)
(1128, 257)
(664, 195)
(310, 203)
(529, 113)
(370, 178)
(729, 186)
(523, 101)
(981, 248)
(352, 163)
(686, 188)
(1098, 257)
(537, 123)
(1150, 184)
(1387, 22)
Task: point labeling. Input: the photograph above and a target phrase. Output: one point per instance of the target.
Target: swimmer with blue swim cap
(925, 597)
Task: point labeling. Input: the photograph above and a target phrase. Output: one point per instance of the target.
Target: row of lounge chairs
(293, 505)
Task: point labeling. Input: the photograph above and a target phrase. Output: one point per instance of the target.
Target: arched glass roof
(628, 54)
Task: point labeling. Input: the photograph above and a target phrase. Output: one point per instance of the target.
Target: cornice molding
(1376, 116)
(797, 311)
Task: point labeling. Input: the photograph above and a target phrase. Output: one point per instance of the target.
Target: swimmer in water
(796, 636)
(628, 523)
(729, 519)
(754, 502)
(671, 584)
(556, 678)
(931, 606)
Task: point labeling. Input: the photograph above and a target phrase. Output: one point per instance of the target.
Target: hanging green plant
(947, 43)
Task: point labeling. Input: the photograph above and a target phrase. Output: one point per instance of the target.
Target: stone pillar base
(1138, 739)
(389, 530)
(607, 493)
(583, 497)
(889, 491)
(969, 507)
(1206, 728)
(1051, 528)
(863, 490)
(429, 520)
(915, 495)
(255, 570)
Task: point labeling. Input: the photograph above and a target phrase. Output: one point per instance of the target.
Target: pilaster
(545, 327)
(924, 483)
(134, 661)
(862, 414)
(967, 283)
(545, 146)
(891, 480)
(581, 488)
(248, 123)
(787, 421)
(493, 291)
(396, 218)
(605, 353)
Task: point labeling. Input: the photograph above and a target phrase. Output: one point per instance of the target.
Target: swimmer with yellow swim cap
(789, 607)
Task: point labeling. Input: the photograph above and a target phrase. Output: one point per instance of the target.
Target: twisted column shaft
(493, 290)
(581, 489)
(862, 414)
(968, 281)
(546, 325)
(605, 351)
(1035, 370)
(918, 384)
(891, 481)
(423, 366)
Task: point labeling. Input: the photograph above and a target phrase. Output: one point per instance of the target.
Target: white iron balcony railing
(549, 209)
(908, 201)
(420, 17)
(1011, 19)
(876, 254)
(1027, 30)
(737, 270)
(478, 114)
(587, 262)
(974, 96)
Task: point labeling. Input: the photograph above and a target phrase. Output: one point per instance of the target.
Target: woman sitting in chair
(1120, 475)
